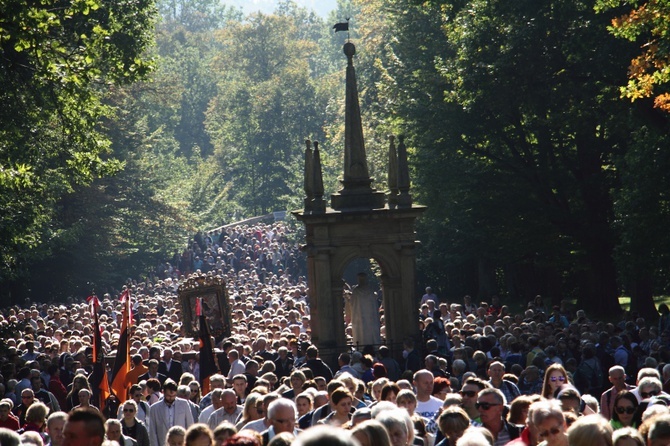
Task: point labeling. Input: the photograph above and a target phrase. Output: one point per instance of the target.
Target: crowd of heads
(480, 375)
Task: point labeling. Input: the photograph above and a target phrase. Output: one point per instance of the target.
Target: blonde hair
(627, 433)
(590, 430)
(453, 419)
(37, 412)
(175, 431)
(375, 432)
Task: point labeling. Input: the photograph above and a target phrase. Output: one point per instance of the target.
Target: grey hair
(30, 437)
(589, 430)
(473, 437)
(650, 381)
(9, 437)
(175, 430)
(653, 410)
(56, 416)
(217, 393)
(325, 436)
(113, 421)
(229, 392)
(592, 402)
(616, 368)
(280, 403)
(493, 391)
(397, 418)
(546, 409)
(648, 371)
(381, 407)
(628, 433)
(459, 365)
(183, 391)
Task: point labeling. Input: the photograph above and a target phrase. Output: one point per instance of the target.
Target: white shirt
(428, 411)
(236, 368)
(170, 413)
(206, 412)
(258, 425)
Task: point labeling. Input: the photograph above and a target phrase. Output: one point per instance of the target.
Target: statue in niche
(346, 294)
(364, 313)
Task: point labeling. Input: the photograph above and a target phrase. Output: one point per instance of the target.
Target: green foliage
(648, 24)
(197, 17)
(56, 58)
(186, 47)
(643, 206)
(266, 105)
(513, 109)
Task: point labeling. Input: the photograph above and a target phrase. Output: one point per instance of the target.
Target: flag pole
(122, 361)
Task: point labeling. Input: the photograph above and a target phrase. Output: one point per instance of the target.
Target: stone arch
(360, 222)
(387, 263)
(333, 240)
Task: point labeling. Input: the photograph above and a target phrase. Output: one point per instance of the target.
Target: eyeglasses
(26, 397)
(557, 378)
(649, 394)
(552, 431)
(485, 406)
(629, 410)
(128, 410)
(469, 393)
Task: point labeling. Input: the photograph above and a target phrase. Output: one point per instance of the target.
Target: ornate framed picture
(215, 305)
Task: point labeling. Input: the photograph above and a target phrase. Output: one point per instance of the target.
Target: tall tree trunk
(642, 296)
(487, 279)
(600, 298)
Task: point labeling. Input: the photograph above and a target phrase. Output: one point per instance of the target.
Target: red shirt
(522, 440)
(12, 423)
(58, 389)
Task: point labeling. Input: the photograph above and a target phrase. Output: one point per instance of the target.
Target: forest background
(537, 135)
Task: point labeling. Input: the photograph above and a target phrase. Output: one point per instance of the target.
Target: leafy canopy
(646, 22)
(57, 59)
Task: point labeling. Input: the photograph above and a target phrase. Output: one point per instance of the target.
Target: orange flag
(122, 361)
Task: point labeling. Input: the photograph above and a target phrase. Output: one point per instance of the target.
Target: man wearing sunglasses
(491, 407)
(27, 398)
(469, 392)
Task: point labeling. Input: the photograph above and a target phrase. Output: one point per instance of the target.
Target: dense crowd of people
(480, 375)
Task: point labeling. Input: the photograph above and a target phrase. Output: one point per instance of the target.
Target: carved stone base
(345, 200)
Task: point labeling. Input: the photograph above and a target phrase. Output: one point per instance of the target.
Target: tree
(643, 208)
(56, 58)
(186, 46)
(526, 93)
(267, 104)
(195, 16)
(646, 24)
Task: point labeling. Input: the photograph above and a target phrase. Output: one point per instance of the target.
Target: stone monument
(364, 313)
(360, 222)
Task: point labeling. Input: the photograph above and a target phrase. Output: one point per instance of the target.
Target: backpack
(111, 407)
(589, 378)
(145, 408)
(631, 367)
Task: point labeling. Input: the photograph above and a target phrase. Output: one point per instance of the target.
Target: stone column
(321, 308)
